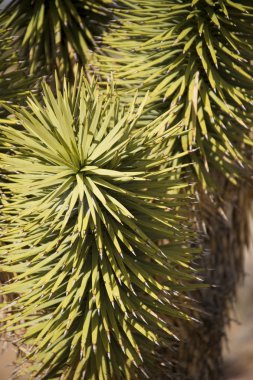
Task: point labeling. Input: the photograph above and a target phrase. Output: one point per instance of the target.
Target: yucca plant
(195, 58)
(93, 229)
(14, 86)
(14, 81)
(55, 34)
(88, 202)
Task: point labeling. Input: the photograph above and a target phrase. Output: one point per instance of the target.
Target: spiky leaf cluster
(195, 58)
(55, 34)
(14, 83)
(88, 203)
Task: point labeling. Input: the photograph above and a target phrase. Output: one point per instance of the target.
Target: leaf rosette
(89, 198)
(195, 58)
(57, 33)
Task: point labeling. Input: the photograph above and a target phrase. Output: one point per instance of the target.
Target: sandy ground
(6, 358)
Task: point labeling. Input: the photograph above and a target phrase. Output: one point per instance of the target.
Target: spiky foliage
(55, 34)
(14, 83)
(14, 86)
(88, 202)
(195, 58)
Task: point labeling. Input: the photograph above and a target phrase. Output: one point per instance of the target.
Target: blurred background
(239, 351)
